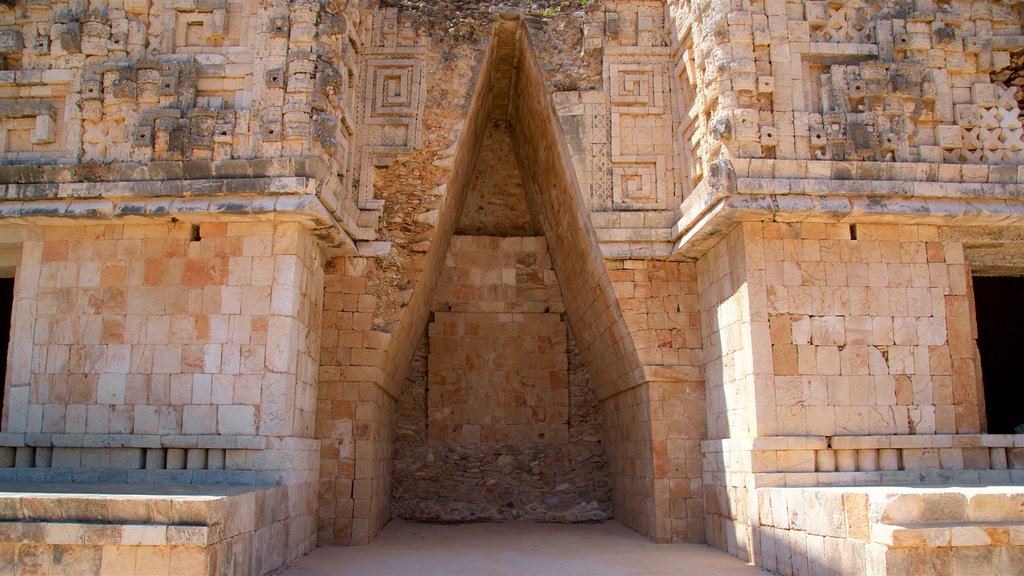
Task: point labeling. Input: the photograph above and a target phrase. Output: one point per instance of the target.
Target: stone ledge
(134, 441)
(142, 477)
(96, 518)
(189, 178)
(864, 442)
(104, 534)
(926, 478)
(718, 205)
(897, 506)
(852, 52)
(957, 535)
(885, 529)
(163, 170)
(797, 461)
(870, 171)
(159, 188)
(305, 208)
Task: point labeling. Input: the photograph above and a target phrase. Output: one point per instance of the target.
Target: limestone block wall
(729, 320)
(727, 324)
(168, 353)
(354, 414)
(627, 432)
(861, 341)
(659, 303)
(498, 363)
(167, 330)
(869, 335)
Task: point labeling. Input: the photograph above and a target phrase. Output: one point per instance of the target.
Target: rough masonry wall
(496, 425)
(496, 202)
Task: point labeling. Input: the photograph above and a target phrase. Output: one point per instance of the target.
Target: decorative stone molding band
(304, 208)
(225, 441)
(719, 203)
(873, 460)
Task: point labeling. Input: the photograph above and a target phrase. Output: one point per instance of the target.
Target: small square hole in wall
(1000, 315)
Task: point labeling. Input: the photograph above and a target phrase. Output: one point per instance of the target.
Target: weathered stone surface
(420, 258)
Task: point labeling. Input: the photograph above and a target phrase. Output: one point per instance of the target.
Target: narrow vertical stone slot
(6, 308)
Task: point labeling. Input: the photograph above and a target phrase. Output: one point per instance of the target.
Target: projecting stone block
(948, 137)
(968, 115)
(11, 41)
(985, 95)
(44, 131)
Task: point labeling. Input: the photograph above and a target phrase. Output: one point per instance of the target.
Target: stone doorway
(999, 347)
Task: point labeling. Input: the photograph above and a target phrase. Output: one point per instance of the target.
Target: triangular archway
(495, 420)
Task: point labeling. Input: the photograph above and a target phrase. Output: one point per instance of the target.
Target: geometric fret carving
(394, 90)
(394, 96)
(636, 84)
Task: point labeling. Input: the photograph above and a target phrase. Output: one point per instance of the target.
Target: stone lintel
(191, 178)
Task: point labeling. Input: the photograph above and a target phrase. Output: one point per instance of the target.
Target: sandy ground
(519, 549)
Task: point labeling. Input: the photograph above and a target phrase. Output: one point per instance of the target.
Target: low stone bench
(891, 530)
(115, 529)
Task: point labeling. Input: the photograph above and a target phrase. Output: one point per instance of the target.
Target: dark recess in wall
(6, 306)
(1000, 319)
